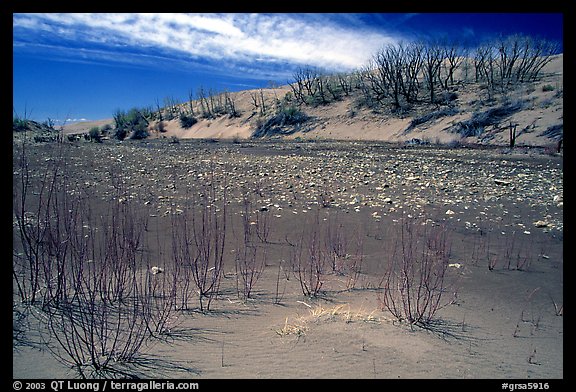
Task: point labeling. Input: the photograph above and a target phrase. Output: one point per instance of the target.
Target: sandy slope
(344, 121)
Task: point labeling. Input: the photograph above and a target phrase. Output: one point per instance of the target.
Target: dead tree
(191, 101)
(387, 80)
(512, 130)
(412, 58)
(485, 62)
(452, 60)
(432, 59)
(308, 83)
(204, 106)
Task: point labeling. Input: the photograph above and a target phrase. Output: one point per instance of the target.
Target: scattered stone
(302, 175)
(156, 270)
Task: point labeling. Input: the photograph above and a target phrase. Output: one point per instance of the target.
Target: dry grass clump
(298, 329)
(341, 312)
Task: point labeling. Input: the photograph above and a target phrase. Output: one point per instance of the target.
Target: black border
(547, 6)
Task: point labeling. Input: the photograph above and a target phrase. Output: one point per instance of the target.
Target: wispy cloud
(242, 42)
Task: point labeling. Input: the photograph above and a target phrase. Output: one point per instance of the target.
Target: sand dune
(542, 108)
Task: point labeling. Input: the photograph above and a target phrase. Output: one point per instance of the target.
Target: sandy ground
(501, 322)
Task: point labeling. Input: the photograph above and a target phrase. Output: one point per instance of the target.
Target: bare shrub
(104, 307)
(343, 249)
(326, 247)
(82, 273)
(310, 259)
(34, 201)
(336, 243)
(415, 280)
(198, 240)
(250, 258)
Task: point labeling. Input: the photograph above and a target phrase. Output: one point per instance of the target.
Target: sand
(343, 120)
(500, 323)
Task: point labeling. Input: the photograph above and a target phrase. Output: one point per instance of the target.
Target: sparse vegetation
(176, 243)
(132, 124)
(187, 121)
(287, 120)
(415, 281)
(491, 117)
(78, 273)
(123, 247)
(422, 80)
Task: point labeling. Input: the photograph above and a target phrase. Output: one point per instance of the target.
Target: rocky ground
(468, 185)
(504, 210)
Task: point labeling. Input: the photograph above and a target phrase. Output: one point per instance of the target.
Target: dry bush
(415, 283)
(325, 247)
(198, 241)
(344, 313)
(250, 258)
(310, 259)
(83, 274)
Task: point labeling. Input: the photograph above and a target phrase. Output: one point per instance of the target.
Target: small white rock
(156, 270)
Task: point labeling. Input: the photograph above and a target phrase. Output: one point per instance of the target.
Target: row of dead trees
(398, 74)
(205, 103)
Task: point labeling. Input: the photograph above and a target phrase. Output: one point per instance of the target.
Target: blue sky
(86, 66)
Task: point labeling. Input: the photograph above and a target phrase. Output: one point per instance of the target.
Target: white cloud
(229, 38)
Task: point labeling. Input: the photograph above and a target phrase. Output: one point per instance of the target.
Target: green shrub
(547, 87)
(139, 132)
(95, 135)
(287, 120)
(187, 121)
(120, 133)
(19, 124)
(450, 111)
(132, 122)
(479, 121)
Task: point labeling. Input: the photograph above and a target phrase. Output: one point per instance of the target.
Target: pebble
(348, 175)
